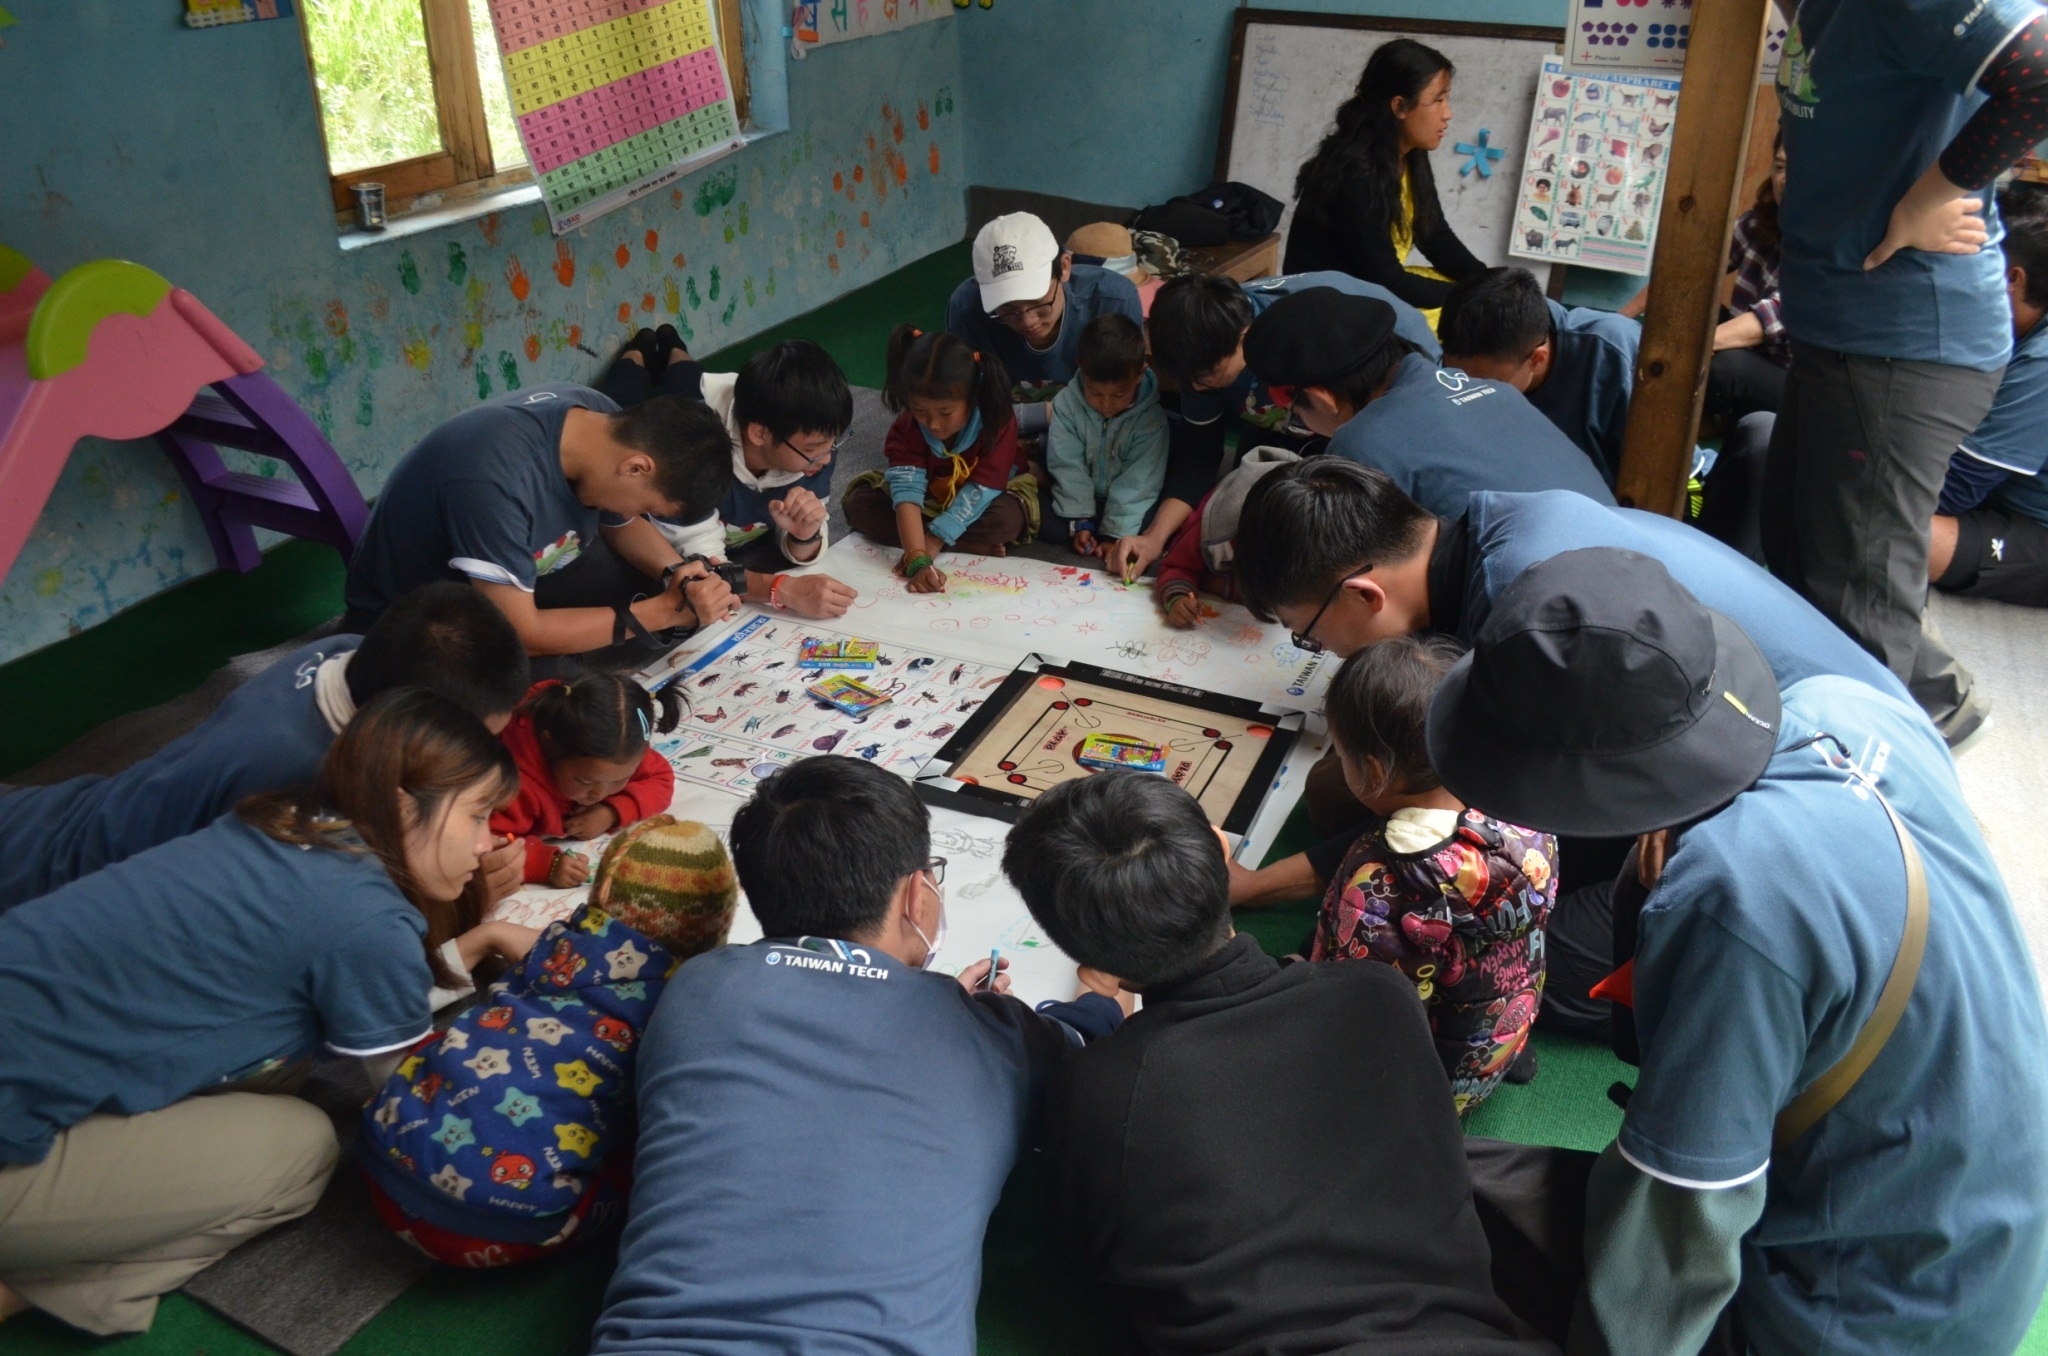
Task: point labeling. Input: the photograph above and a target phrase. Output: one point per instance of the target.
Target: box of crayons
(837, 654)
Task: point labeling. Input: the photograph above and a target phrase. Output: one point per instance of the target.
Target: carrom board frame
(935, 787)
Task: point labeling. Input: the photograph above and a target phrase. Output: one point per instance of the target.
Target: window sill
(432, 211)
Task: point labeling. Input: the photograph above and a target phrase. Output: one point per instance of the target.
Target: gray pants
(1855, 466)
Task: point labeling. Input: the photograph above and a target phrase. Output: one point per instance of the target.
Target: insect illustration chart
(751, 712)
(941, 659)
(613, 98)
(1593, 179)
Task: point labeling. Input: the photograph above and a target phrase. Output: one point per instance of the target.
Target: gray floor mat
(308, 1286)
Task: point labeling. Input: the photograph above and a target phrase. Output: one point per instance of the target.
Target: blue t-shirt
(268, 735)
(1091, 291)
(481, 497)
(823, 1133)
(1511, 532)
(204, 960)
(1592, 372)
(1910, 1219)
(2001, 461)
(1870, 94)
(1247, 397)
(745, 510)
(1444, 436)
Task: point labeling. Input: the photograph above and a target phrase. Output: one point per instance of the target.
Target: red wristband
(775, 592)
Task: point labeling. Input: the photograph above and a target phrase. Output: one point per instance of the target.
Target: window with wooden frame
(412, 96)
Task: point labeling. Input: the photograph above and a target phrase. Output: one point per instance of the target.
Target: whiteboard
(1290, 71)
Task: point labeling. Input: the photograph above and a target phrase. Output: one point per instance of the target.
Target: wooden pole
(1708, 149)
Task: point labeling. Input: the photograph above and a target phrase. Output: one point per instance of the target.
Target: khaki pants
(127, 1208)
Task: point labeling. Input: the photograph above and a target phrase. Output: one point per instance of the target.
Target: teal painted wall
(124, 134)
(1124, 102)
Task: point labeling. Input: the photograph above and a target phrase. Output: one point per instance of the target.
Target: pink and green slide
(113, 350)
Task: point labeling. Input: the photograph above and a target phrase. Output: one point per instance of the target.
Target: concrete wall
(197, 153)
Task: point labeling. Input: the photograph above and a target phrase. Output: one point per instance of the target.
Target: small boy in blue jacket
(1106, 449)
(510, 1133)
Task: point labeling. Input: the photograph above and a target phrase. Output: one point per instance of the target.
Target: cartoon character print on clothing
(1464, 920)
(517, 1105)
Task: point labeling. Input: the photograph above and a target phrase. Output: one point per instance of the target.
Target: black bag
(1217, 215)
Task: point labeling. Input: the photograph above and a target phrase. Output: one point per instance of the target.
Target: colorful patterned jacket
(496, 1127)
(1463, 918)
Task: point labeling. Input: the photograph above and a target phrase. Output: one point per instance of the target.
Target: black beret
(1315, 337)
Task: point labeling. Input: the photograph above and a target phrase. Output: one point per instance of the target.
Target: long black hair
(937, 365)
(1364, 147)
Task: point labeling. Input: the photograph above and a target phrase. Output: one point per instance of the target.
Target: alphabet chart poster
(1593, 176)
(614, 98)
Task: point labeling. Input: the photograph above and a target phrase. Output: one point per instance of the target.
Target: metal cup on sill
(369, 206)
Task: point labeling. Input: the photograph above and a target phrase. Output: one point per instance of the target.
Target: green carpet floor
(1032, 1301)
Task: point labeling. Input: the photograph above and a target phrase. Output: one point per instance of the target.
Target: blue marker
(995, 954)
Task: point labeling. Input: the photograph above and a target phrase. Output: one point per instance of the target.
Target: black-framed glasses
(812, 463)
(1013, 317)
(1305, 638)
(936, 869)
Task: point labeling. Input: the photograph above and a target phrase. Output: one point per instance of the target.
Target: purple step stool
(252, 413)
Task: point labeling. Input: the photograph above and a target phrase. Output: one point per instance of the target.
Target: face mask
(932, 943)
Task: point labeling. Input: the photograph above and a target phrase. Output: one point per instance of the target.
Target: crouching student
(1203, 553)
(1441, 434)
(1106, 452)
(508, 1135)
(1450, 897)
(1208, 1160)
(269, 735)
(587, 765)
(786, 411)
(1576, 365)
(151, 1013)
(825, 1123)
(956, 479)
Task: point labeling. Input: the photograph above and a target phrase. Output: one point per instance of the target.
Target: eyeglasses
(812, 463)
(1305, 638)
(1015, 317)
(936, 869)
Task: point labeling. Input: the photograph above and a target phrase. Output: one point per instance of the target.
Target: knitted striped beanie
(671, 881)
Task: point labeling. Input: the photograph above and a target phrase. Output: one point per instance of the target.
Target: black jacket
(1265, 1162)
(1350, 238)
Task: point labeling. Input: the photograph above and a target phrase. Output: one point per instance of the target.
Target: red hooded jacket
(539, 808)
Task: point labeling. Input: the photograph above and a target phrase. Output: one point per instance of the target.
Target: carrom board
(1225, 751)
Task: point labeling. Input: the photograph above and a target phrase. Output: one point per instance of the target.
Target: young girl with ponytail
(586, 767)
(956, 477)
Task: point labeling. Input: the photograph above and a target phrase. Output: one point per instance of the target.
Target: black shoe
(648, 345)
(670, 345)
(1523, 1070)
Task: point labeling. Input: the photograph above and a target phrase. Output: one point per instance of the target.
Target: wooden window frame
(465, 163)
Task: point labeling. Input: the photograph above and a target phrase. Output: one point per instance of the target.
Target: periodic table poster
(1593, 177)
(614, 98)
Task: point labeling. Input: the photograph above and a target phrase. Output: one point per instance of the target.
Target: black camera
(734, 575)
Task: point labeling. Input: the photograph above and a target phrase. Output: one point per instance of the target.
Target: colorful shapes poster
(614, 98)
(1593, 176)
(1628, 35)
(829, 21)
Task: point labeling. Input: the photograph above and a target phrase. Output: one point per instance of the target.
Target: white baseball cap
(1013, 260)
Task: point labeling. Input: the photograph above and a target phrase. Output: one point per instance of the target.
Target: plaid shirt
(1756, 287)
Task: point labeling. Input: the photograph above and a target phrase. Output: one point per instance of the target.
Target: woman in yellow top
(1366, 198)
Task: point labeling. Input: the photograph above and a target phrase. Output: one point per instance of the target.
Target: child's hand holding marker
(569, 869)
(1184, 613)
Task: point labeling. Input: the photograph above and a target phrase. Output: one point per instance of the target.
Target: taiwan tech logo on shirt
(1464, 390)
(560, 552)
